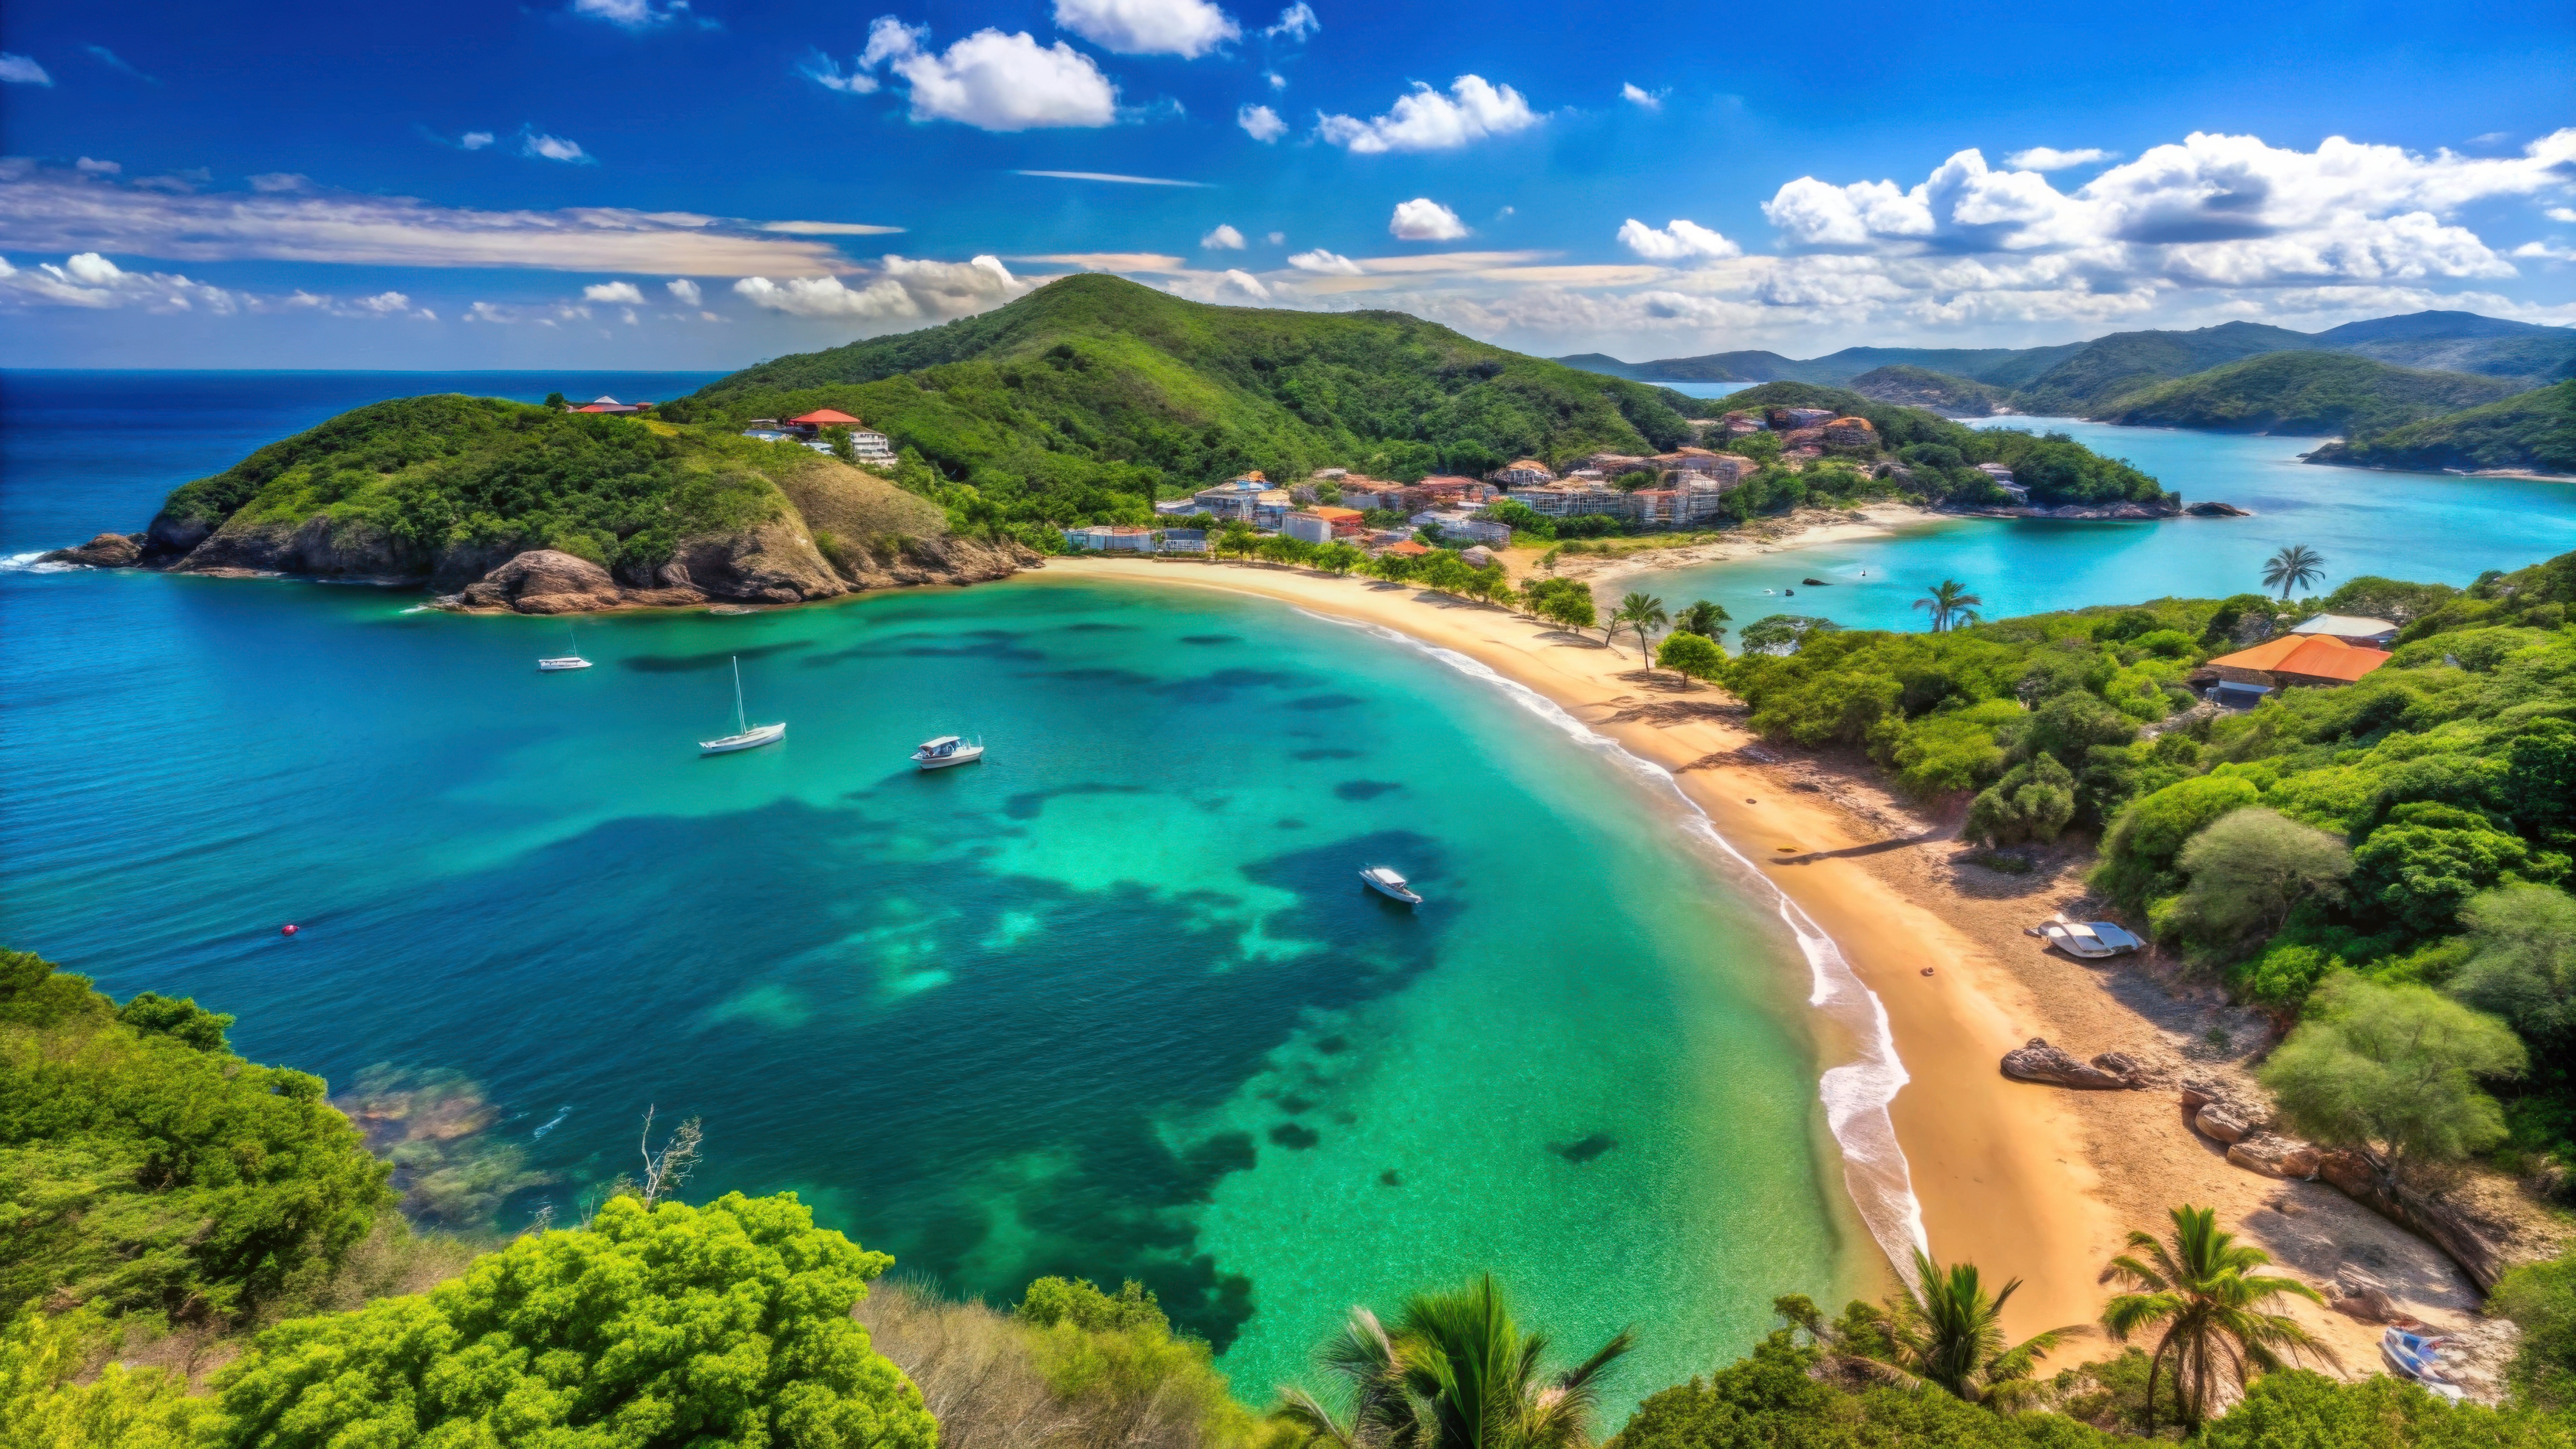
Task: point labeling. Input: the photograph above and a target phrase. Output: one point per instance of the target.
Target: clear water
(1111, 1003)
(2429, 527)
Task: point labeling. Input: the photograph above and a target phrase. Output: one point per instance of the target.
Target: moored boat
(1383, 880)
(746, 736)
(945, 751)
(561, 662)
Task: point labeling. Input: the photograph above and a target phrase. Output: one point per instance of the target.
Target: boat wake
(32, 562)
(1856, 1094)
(550, 1124)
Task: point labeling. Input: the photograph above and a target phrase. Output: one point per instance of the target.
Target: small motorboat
(2091, 940)
(560, 662)
(746, 735)
(2416, 1358)
(945, 751)
(1383, 880)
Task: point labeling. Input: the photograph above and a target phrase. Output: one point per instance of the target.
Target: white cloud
(554, 148)
(276, 181)
(1426, 120)
(1245, 282)
(385, 302)
(21, 70)
(1186, 28)
(1277, 81)
(1261, 123)
(684, 290)
(1225, 238)
(1110, 176)
(827, 228)
(826, 72)
(632, 14)
(2561, 213)
(1230, 286)
(58, 211)
(89, 280)
(1294, 24)
(1423, 219)
(1325, 263)
(2049, 158)
(612, 292)
(2544, 251)
(475, 140)
(1676, 241)
(904, 287)
(1637, 95)
(1276, 238)
(98, 168)
(993, 81)
(1112, 261)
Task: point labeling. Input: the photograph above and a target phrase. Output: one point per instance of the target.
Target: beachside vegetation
(1942, 1330)
(2203, 1298)
(2529, 432)
(2393, 1071)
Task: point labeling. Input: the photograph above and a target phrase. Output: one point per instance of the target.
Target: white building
(1456, 524)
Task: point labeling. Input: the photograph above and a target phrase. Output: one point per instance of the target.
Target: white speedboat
(572, 660)
(746, 735)
(2092, 940)
(1384, 881)
(945, 751)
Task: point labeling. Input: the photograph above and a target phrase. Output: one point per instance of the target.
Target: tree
(1395, 568)
(2295, 567)
(837, 438)
(2033, 801)
(2392, 1073)
(1703, 618)
(1447, 573)
(2541, 1299)
(2522, 959)
(1950, 604)
(1338, 558)
(1693, 656)
(2428, 860)
(1782, 633)
(1453, 1372)
(2250, 867)
(2200, 1288)
(1643, 613)
(665, 1327)
(1236, 539)
(50, 1400)
(1943, 1331)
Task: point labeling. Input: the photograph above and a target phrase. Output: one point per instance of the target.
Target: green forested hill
(1921, 387)
(2121, 363)
(2304, 392)
(2534, 431)
(1095, 386)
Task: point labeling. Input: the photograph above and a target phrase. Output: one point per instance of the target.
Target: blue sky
(655, 184)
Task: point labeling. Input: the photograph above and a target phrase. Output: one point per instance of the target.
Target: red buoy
(288, 929)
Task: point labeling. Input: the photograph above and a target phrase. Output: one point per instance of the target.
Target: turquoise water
(1112, 1003)
(2429, 527)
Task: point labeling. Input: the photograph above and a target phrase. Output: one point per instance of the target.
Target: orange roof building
(824, 418)
(2298, 659)
(1406, 549)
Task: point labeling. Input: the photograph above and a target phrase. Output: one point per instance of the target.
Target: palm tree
(1951, 604)
(2295, 567)
(1703, 618)
(2200, 1287)
(1944, 1331)
(1455, 1372)
(1642, 613)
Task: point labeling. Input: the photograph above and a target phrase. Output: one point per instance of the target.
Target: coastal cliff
(497, 505)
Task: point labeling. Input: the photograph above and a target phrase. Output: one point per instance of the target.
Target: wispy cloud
(538, 144)
(1111, 176)
(21, 70)
(274, 182)
(1426, 120)
(904, 288)
(44, 210)
(90, 167)
(1110, 261)
(828, 228)
(1637, 95)
(633, 14)
(1295, 23)
(115, 62)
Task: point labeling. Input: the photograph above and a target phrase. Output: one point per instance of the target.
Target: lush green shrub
(55, 1393)
(1690, 654)
(2541, 1299)
(670, 1325)
(2298, 1409)
(1772, 1401)
(2394, 1072)
(2033, 801)
(2140, 849)
(2248, 868)
(2429, 859)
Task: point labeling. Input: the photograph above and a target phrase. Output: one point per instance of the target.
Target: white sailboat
(572, 660)
(746, 735)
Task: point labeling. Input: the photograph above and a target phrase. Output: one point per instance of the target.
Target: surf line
(1856, 1094)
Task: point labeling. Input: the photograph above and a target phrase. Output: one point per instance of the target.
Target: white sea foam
(1856, 1093)
(31, 562)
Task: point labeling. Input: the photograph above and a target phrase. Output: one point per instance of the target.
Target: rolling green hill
(1093, 390)
(2123, 362)
(2314, 393)
(2530, 432)
(1921, 387)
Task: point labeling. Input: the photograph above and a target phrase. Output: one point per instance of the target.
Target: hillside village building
(1522, 473)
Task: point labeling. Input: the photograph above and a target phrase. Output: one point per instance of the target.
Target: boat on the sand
(2091, 940)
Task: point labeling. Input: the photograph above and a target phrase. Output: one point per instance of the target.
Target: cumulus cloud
(1186, 28)
(1325, 263)
(989, 80)
(89, 280)
(1676, 241)
(1637, 95)
(1295, 23)
(903, 288)
(2561, 213)
(21, 70)
(45, 210)
(554, 148)
(683, 290)
(1423, 219)
(612, 292)
(1224, 238)
(2049, 158)
(1261, 123)
(1426, 120)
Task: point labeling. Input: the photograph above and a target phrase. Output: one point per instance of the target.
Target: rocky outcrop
(947, 559)
(107, 551)
(2218, 510)
(774, 563)
(2274, 1155)
(319, 546)
(542, 581)
(2220, 1124)
(2037, 1061)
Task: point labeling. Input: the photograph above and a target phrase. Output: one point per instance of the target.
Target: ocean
(1112, 1003)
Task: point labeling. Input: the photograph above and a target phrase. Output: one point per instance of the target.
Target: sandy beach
(2026, 1181)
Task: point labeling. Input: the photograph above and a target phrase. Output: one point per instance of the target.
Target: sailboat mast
(741, 724)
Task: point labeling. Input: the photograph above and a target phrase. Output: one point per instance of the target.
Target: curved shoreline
(1994, 1172)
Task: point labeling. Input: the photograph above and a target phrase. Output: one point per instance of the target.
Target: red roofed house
(610, 406)
(870, 445)
(1406, 549)
(822, 418)
(2294, 659)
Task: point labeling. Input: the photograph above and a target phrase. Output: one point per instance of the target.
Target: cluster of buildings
(869, 445)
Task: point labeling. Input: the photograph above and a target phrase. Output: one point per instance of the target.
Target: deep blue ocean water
(1112, 1003)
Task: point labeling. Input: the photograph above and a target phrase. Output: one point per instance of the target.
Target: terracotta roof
(1407, 547)
(2316, 656)
(826, 418)
(1321, 511)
